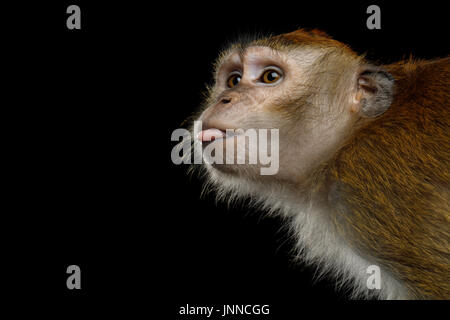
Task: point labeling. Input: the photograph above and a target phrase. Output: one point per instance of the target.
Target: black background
(89, 114)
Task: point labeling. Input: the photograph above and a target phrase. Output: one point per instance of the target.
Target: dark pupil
(272, 76)
(235, 80)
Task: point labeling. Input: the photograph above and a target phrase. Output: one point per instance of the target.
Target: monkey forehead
(248, 54)
(238, 56)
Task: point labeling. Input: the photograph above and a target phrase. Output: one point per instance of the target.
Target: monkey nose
(225, 100)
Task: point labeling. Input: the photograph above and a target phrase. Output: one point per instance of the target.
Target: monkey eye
(270, 76)
(233, 80)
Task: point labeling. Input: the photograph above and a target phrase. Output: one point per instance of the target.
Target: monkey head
(314, 90)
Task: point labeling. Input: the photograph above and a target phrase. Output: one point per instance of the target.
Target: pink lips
(210, 135)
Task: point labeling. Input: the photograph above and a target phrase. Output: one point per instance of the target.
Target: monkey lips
(210, 135)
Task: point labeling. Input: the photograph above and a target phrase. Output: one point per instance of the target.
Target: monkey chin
(246, 171)
(231, 165)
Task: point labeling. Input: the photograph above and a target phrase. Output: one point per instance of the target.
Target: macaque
(363, 150)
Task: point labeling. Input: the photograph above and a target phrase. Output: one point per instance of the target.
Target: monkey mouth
(212, 134)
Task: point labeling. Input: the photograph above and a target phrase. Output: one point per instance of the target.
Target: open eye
(233, 80)
(270, 76)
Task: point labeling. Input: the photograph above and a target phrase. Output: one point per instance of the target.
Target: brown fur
(314, 37)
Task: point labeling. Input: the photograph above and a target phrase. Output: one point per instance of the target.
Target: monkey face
(265, 93)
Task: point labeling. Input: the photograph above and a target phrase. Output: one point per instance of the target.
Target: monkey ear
(375, 90)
